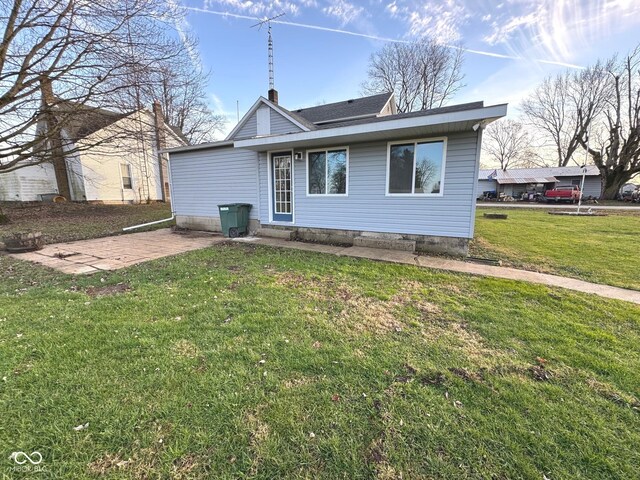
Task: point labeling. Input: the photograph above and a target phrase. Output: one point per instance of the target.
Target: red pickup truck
(569, 193)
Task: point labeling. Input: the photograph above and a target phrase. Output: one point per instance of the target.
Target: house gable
(266, 118)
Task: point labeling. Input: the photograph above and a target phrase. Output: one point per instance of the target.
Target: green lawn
(63, 222)
(250, 362)
(597, 249)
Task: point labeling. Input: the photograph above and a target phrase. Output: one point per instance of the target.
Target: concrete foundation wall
(210, 224)
(424, 243)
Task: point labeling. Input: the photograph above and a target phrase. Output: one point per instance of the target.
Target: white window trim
(122, 178)
(270, 188)
(326, 167)
(413, 177)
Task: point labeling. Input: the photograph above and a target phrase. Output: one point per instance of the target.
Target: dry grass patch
(298, 382)
(258, 434)
(185, 348)
(107, 463)
(361, 313)
(607, 391)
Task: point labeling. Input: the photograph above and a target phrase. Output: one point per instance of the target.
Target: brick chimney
(56, 151)
(273, 96)
(46, 90)
(161, 144)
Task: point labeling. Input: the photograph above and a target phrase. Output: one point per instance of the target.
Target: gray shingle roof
(524, 173)
(83, 120)
(420, 113)
(348, 108)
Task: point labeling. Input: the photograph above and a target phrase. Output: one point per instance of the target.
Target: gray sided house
(516, 181)
(352, 172)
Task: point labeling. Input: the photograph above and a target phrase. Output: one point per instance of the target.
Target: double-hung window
(416, 167)
(125, 173)
(328, 171)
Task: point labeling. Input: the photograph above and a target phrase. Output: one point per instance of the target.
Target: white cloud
(259, 8)
(344, 11)
(503, 32)
(442, 20)
(557, 29)
(392, 8)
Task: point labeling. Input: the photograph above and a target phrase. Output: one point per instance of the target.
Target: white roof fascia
(262, 100)
(200, 146)
(493, 112)
(344, 119)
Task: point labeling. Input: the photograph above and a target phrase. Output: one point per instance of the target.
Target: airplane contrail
(376, 37)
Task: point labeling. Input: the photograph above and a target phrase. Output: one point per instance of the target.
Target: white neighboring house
(117, 160)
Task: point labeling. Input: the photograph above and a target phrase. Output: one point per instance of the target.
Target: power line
(386, 39)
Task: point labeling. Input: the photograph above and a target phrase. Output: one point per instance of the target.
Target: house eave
(200, 146)
(454, 121)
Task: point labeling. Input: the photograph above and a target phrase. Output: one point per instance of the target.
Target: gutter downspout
(134, 227)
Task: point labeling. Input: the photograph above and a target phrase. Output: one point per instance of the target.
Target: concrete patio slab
(112, 253)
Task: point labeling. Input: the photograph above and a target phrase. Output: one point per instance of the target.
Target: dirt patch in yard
(108, 290)
(64, 222)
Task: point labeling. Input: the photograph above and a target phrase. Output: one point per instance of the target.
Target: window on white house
(416, 167)
(125, 173)
(327, 172)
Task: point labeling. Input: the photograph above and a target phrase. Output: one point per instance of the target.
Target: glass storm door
(282, 192)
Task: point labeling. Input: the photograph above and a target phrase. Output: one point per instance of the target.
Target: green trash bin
(234, 219)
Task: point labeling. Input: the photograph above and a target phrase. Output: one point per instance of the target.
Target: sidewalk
(459, 266)
(112, 253)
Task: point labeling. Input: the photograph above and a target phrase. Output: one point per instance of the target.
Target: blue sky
(511, 45)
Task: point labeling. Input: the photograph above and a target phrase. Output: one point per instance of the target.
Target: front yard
(64, 222)
(250, 362)
(596, 249)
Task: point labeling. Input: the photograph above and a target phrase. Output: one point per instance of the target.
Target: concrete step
(386, 243)
(275, 233)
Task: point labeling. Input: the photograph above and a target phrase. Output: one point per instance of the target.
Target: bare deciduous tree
(180, 87)
(80, 47)
(615, 142)
(423, 75)
(554, 105)
(508, 143)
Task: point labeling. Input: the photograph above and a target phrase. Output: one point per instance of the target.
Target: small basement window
(327, 171)
(416, 167)
(125, 173)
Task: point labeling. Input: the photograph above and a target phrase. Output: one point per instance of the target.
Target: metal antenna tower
(269, 44)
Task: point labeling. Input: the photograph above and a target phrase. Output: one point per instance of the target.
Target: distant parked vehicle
(569, 193)
(631, 196)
